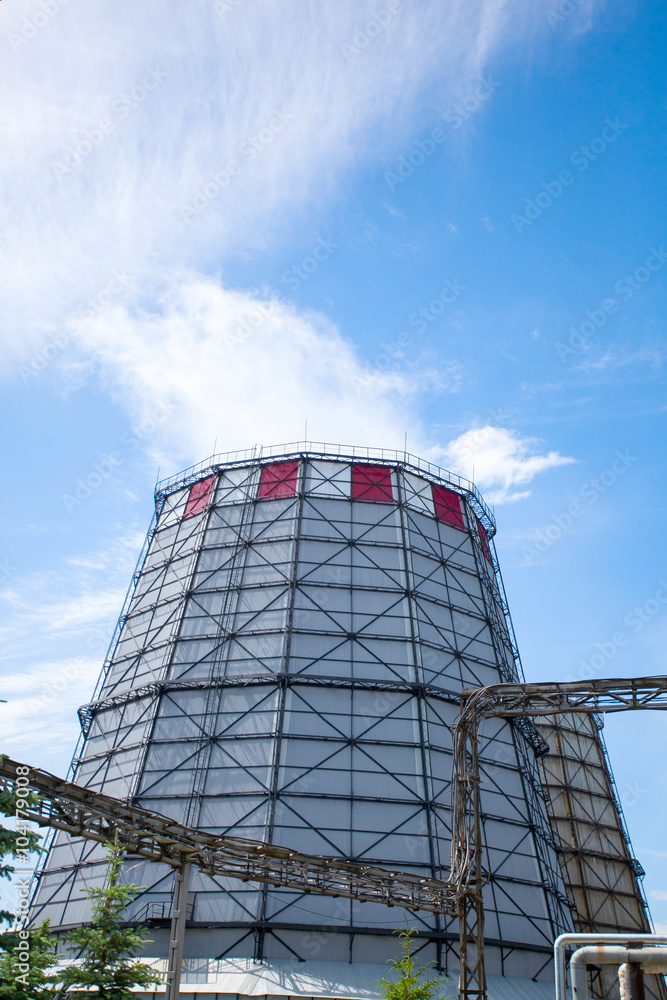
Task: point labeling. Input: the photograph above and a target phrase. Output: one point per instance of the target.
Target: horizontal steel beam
(593, 696)
(82, 812)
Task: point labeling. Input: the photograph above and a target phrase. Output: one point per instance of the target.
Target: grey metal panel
(295, 616)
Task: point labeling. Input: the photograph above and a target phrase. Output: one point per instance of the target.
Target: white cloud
(659, 894)
(56, 627)
(243, 369)
(624, 357)
(39, 721)
(497, 459)
(102, 156)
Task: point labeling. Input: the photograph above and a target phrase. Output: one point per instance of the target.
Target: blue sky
(439, 219)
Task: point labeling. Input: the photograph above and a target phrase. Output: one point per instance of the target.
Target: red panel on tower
(484, 540)
(199, 496)
(372, 482)
(448, 507)
(278, 480)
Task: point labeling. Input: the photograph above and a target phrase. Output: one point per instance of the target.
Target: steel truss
(602, 876)
(92, 815)
(514, 701)
(81, 812)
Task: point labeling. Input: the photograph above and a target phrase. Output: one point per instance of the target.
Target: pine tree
(412, 981)
(25, 963)
(108, 947)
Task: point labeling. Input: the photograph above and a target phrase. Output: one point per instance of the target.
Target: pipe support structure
(567, 940)
(648, 959)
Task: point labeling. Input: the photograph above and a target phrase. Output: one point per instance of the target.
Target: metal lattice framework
(80, 812)
(96, 817)
(603, 877)
(515, 701)
(288, 668)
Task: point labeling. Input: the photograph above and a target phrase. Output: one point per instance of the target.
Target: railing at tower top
(82, 812)
(324, 450)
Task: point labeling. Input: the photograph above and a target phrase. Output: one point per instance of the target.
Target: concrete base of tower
(236, 978)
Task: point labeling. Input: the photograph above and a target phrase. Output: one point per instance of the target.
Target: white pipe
(564, 940)
(650, 959)
(583, 957)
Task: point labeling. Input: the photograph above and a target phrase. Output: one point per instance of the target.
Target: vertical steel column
(283, 682)
(170, 650)
(179, 911)
(472, 974)
(214, 695)
(636, 981)
(541, 832)
(410, 588)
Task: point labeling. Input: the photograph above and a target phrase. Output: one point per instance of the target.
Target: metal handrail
(264, 453)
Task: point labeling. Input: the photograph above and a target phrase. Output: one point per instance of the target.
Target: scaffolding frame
(440, 665)
(435, 700)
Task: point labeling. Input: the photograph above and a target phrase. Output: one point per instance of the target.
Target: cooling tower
(287, 668)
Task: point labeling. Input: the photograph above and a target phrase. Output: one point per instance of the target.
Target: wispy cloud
(623, 357)
(236, 366)
(39, 721)
(55, 627)
(117, 118)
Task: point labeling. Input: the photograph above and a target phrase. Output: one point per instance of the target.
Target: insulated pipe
(623, 981)
(630, 981)
(562, 942)
(650, 959)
